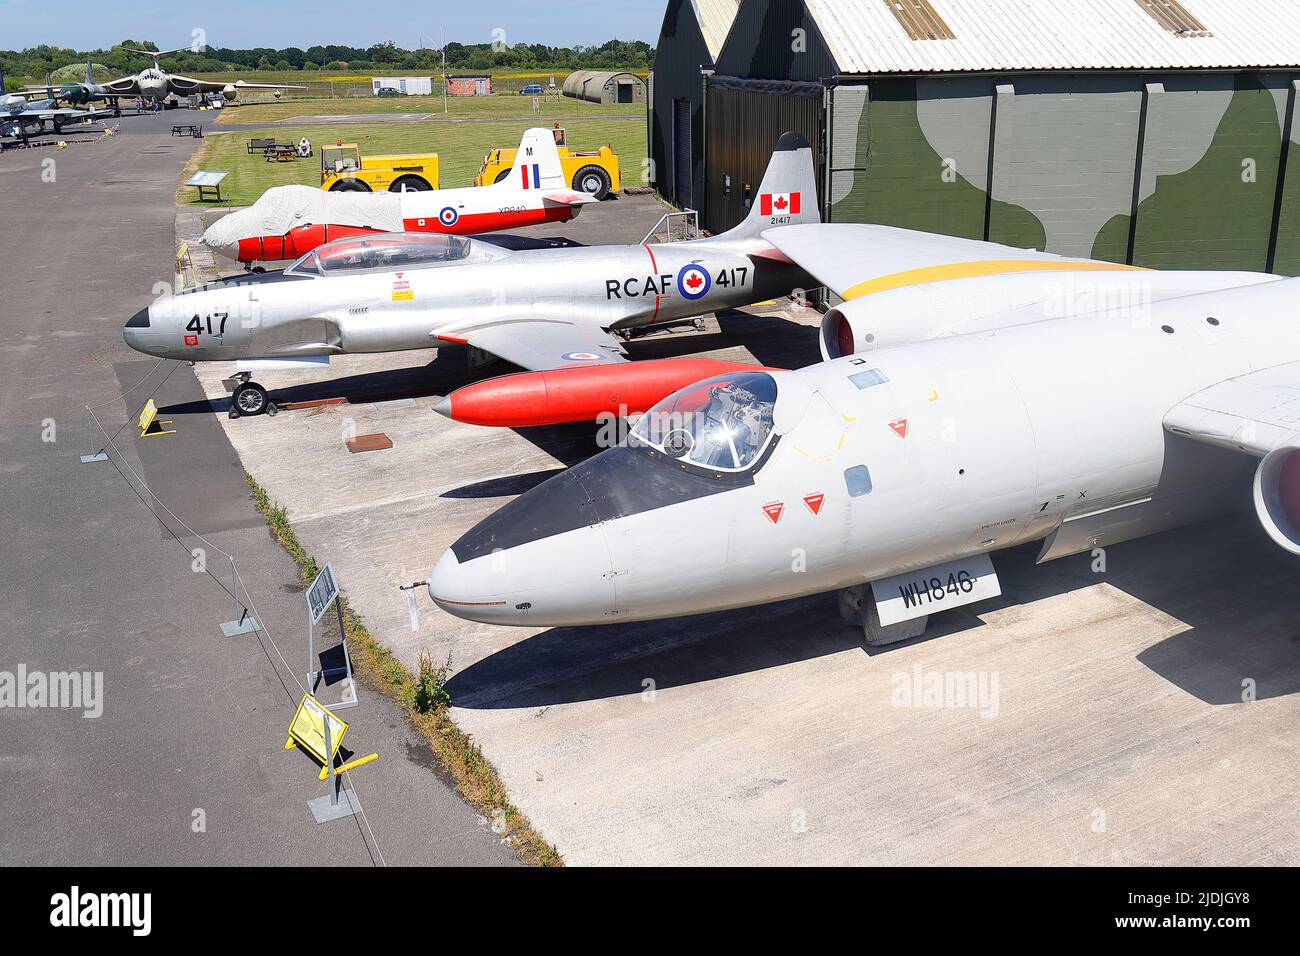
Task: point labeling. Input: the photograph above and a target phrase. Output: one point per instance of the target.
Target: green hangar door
(682, 178)
(744, 119)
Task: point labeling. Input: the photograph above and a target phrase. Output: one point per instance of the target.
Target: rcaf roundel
(449, 216)
(694, 282)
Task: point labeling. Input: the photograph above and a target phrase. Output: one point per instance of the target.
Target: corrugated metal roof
(715, 18)
(864, 36)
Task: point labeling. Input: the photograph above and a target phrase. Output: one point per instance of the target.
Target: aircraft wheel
(350, 186)
(409, 184)
(249, 399)
(592, 179)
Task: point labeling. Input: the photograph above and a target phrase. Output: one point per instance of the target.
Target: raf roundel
(694, 282)
(580, 357)
(449, 216)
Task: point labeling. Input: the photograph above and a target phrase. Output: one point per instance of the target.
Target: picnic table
(259, 145)
(280, 153)
(186, 129)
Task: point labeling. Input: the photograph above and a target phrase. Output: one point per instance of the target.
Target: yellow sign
(403, 295)
(307, 730)
(150, 426)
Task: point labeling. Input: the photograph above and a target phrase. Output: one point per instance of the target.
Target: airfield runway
(185, 765)
(1131, 714)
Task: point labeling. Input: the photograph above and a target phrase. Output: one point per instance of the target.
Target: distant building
(595, 86)
(410, 85)
(469, 85)
(1162, 133)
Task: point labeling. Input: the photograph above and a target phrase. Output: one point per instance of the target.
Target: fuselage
(457, 212)
(893, 461)
(610, 287)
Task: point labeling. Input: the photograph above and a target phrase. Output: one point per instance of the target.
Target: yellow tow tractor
(594, 172)
(343, 169)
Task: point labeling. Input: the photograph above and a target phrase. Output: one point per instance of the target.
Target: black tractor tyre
(410, 184)
(503, 175)
(593, 179)
(350, 186)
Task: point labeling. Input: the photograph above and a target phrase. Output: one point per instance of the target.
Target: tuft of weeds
(425, 700)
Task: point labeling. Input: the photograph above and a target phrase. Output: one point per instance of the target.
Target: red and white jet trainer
(289, 221)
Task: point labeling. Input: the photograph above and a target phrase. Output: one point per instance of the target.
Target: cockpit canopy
(722, 424)
(384, 252)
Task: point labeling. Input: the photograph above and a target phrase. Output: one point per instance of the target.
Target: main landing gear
(248, 399)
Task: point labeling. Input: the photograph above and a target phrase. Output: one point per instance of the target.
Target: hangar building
(597, 87)
(689, 41)
(1157, 132)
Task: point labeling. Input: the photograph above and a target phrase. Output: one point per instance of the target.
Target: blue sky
(83, 24)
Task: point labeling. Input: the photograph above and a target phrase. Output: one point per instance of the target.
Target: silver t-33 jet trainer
(538, 308)
(976, 397)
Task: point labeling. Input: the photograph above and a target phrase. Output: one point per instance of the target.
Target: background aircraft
(83, 93)
(155, 83)
(891, 475)
(22, 117)
(289, 221)
(540, 309)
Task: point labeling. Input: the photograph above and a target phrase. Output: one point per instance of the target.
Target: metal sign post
(323, 592)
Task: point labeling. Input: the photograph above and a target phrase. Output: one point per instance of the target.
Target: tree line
(35, 62)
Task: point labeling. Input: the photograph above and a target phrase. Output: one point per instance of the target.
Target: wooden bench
(259, 145)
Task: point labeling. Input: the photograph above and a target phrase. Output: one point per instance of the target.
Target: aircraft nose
(564, 579)
(138, 331)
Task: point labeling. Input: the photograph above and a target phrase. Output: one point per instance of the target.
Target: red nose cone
(250, 250)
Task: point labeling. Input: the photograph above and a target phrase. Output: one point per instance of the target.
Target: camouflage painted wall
(1068, 158)
(1287, 251)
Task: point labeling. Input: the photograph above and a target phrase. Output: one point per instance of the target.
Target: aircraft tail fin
(537, 163)
(788, 194)
(90, 73)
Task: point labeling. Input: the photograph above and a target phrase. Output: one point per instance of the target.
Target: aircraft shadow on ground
(1226, 581)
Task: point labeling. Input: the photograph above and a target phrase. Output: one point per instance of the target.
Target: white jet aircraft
(977, 397)
(290, 221)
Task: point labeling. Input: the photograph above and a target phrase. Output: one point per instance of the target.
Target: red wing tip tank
(583, 394)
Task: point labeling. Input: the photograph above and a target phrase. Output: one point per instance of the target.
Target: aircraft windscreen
(722, 423)
(382, 253)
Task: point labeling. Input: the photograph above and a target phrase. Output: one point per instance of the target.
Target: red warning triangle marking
(774, 511)
(814, 503)
(899, 427)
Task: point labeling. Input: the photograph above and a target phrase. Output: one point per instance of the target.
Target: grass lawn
(459, 108)
(461, 139)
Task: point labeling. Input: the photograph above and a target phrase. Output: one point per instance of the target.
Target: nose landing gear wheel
(249, 399)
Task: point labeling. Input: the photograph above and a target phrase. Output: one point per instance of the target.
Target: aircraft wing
(541, 344)
(570, 198)
(125, 86)
(1255, 413)
(856, 260)
(187, 85)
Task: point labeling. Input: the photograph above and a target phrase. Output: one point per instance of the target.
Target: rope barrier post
(100, 455)
(244, 623)
(329, 807)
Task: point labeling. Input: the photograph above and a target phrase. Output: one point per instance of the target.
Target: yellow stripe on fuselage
(974, 270)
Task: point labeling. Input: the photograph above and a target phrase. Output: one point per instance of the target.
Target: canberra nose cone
(471, 591)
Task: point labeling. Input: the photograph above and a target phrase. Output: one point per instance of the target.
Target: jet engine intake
(1277, 495)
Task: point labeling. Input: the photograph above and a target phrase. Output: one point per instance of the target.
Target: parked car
(388, 91)
(534, 89)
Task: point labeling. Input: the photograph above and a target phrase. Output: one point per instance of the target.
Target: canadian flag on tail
(779, 204)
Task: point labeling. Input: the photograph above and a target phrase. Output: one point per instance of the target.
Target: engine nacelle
(1277, 495)
(229, 91)
(919, 312)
